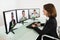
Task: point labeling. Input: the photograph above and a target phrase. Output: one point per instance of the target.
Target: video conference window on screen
(19, 15)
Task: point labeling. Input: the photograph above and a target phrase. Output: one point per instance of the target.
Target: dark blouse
(49, 28)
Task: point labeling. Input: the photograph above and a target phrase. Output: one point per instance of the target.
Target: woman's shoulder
(53, 20)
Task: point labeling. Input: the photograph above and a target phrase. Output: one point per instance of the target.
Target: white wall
(12, 4)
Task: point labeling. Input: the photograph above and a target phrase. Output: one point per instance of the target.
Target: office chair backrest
(58, 31)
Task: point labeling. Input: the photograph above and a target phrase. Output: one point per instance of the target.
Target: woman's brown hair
(50, 8)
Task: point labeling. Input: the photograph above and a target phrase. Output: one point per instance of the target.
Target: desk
(23, 33)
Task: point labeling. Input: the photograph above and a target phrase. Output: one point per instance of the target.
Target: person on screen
(23, 18)
(51, 24)
(12, 23)
(34, 14)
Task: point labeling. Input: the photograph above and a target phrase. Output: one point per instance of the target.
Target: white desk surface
(23, 33)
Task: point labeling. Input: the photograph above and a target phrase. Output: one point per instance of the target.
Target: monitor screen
(34, 13)
(21, 14)
(9, 16)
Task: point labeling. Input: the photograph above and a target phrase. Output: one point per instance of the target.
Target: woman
(51, 24)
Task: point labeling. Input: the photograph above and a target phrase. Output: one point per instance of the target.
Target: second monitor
(22, 15)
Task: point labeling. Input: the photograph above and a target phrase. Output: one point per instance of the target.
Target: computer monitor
(8, 17)
(34, 13)
(21, 13)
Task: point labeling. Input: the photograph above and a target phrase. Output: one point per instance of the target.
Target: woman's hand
(38, 24)
(33, 25)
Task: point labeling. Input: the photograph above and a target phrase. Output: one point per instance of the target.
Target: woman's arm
(37, 30)
(47, 28)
